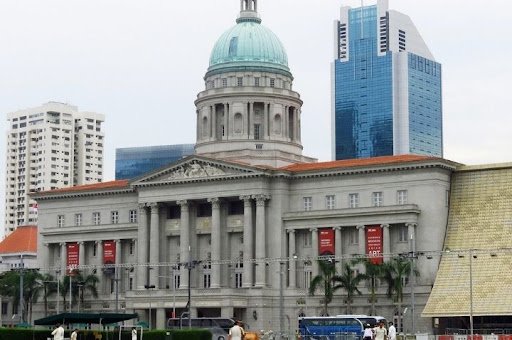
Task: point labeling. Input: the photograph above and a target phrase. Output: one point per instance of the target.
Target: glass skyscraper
(387, 87)
(134, 162)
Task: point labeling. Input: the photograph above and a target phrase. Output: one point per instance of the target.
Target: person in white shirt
(74, 335)
(381, 333)
(368, 332)
(134, 333)
(236, 332)
(58, 332)
(391, 331)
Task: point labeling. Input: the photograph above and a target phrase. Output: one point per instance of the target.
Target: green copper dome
(248, 46)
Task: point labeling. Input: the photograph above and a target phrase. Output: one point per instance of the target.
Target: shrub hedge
(37, 334)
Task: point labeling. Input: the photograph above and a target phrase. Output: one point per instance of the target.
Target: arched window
(238, 123)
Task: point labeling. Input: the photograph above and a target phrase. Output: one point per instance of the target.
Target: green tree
(49, 289)
(349, 280)
(32, 284)
(372, 274)
(394, 273)
(81, 285)
(326, 280)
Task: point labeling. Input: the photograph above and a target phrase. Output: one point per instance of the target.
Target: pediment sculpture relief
(195, 170)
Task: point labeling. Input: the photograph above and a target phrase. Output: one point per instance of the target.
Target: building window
(133, 216)
(5, 307)
(308, 203)
(257, 82)
(307, 277)
(174, 212)
(239, 81)
(402, 233)
(207, 280)
(353, 200)
(257, 131)
(307, 239)
(377, 199)
(60, 221)
(354, 236)
(224, 82)
(238, 280)
(132, 246)
(272, 82)
(94, 249)
(204, 210)
(96, 218)
(114, 217)
(130, 284)
(236, 208)
(177, 281)
(78, 220)
(401, 197)
(330, 202)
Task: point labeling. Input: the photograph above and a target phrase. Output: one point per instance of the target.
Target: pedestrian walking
(391, 331)
(58, 332)
(236, 332)
(134, 333)
(368, 332)
(381, 333)
(74, 335)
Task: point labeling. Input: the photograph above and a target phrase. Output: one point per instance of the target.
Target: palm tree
(32, 285)
(349, 280)
(372, 273)
(86, 283)
(326, 279)
(48, 290)
(395, 272)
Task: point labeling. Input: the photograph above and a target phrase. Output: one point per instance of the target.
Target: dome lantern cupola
(248, 11)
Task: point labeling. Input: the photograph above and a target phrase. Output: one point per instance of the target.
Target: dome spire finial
(248, 11)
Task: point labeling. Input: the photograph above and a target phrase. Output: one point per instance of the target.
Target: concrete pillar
(362, 240)
(215, 242)
(261, 238)
(292, 280)
(160, 318)
(316, 251)
(338, 250)
(248, 243)
(266, 121)
(184, 242)
(154, 241)
(142, 247)
(81, 254)
(411, 231)
(213, 122)
(251, 120)
(226, 121)
(101, 281)
(43, 258)
(63, 259)
(285, 122)
(386, 246)
(118, 270)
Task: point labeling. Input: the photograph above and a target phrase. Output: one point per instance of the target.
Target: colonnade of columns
(361, 229)
(290, 127)
(254, 242)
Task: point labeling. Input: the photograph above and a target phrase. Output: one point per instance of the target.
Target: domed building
(249, 111)
(237, 229)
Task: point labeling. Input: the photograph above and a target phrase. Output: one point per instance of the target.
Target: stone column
(338, 250)
(261, 238)
(251, 120)
(154, 241)
(118, 270)
(213, 123)
(81, 254)
(362, 241)
(411, 231)
(184, 242)
(43, 258)
(316, 252)
(285, 122)
(386, 242)
(216, 242)
(161, 319)
(292, 280)
(142, 247)
(101, 281)
(63, 259)
(248, 242)
(266, 121)
(226, 121)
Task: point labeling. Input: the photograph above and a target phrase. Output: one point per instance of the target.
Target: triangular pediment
(197, 168)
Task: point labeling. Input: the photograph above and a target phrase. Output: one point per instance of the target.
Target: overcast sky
(142, 63)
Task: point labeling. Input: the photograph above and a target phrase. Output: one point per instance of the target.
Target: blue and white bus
(339, 327)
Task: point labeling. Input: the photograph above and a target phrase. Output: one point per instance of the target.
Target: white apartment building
(49, 147)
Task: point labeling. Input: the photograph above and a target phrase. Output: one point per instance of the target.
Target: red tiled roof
(23, 239)
(353, 163)
(121, 184)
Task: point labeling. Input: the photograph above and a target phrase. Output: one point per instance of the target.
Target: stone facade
(250, 228)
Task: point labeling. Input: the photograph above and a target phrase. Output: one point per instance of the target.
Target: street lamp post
(148, 287)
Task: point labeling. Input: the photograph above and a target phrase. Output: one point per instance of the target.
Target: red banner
(109, 252)
(326, 240)
(374, 244)
(72, 257)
